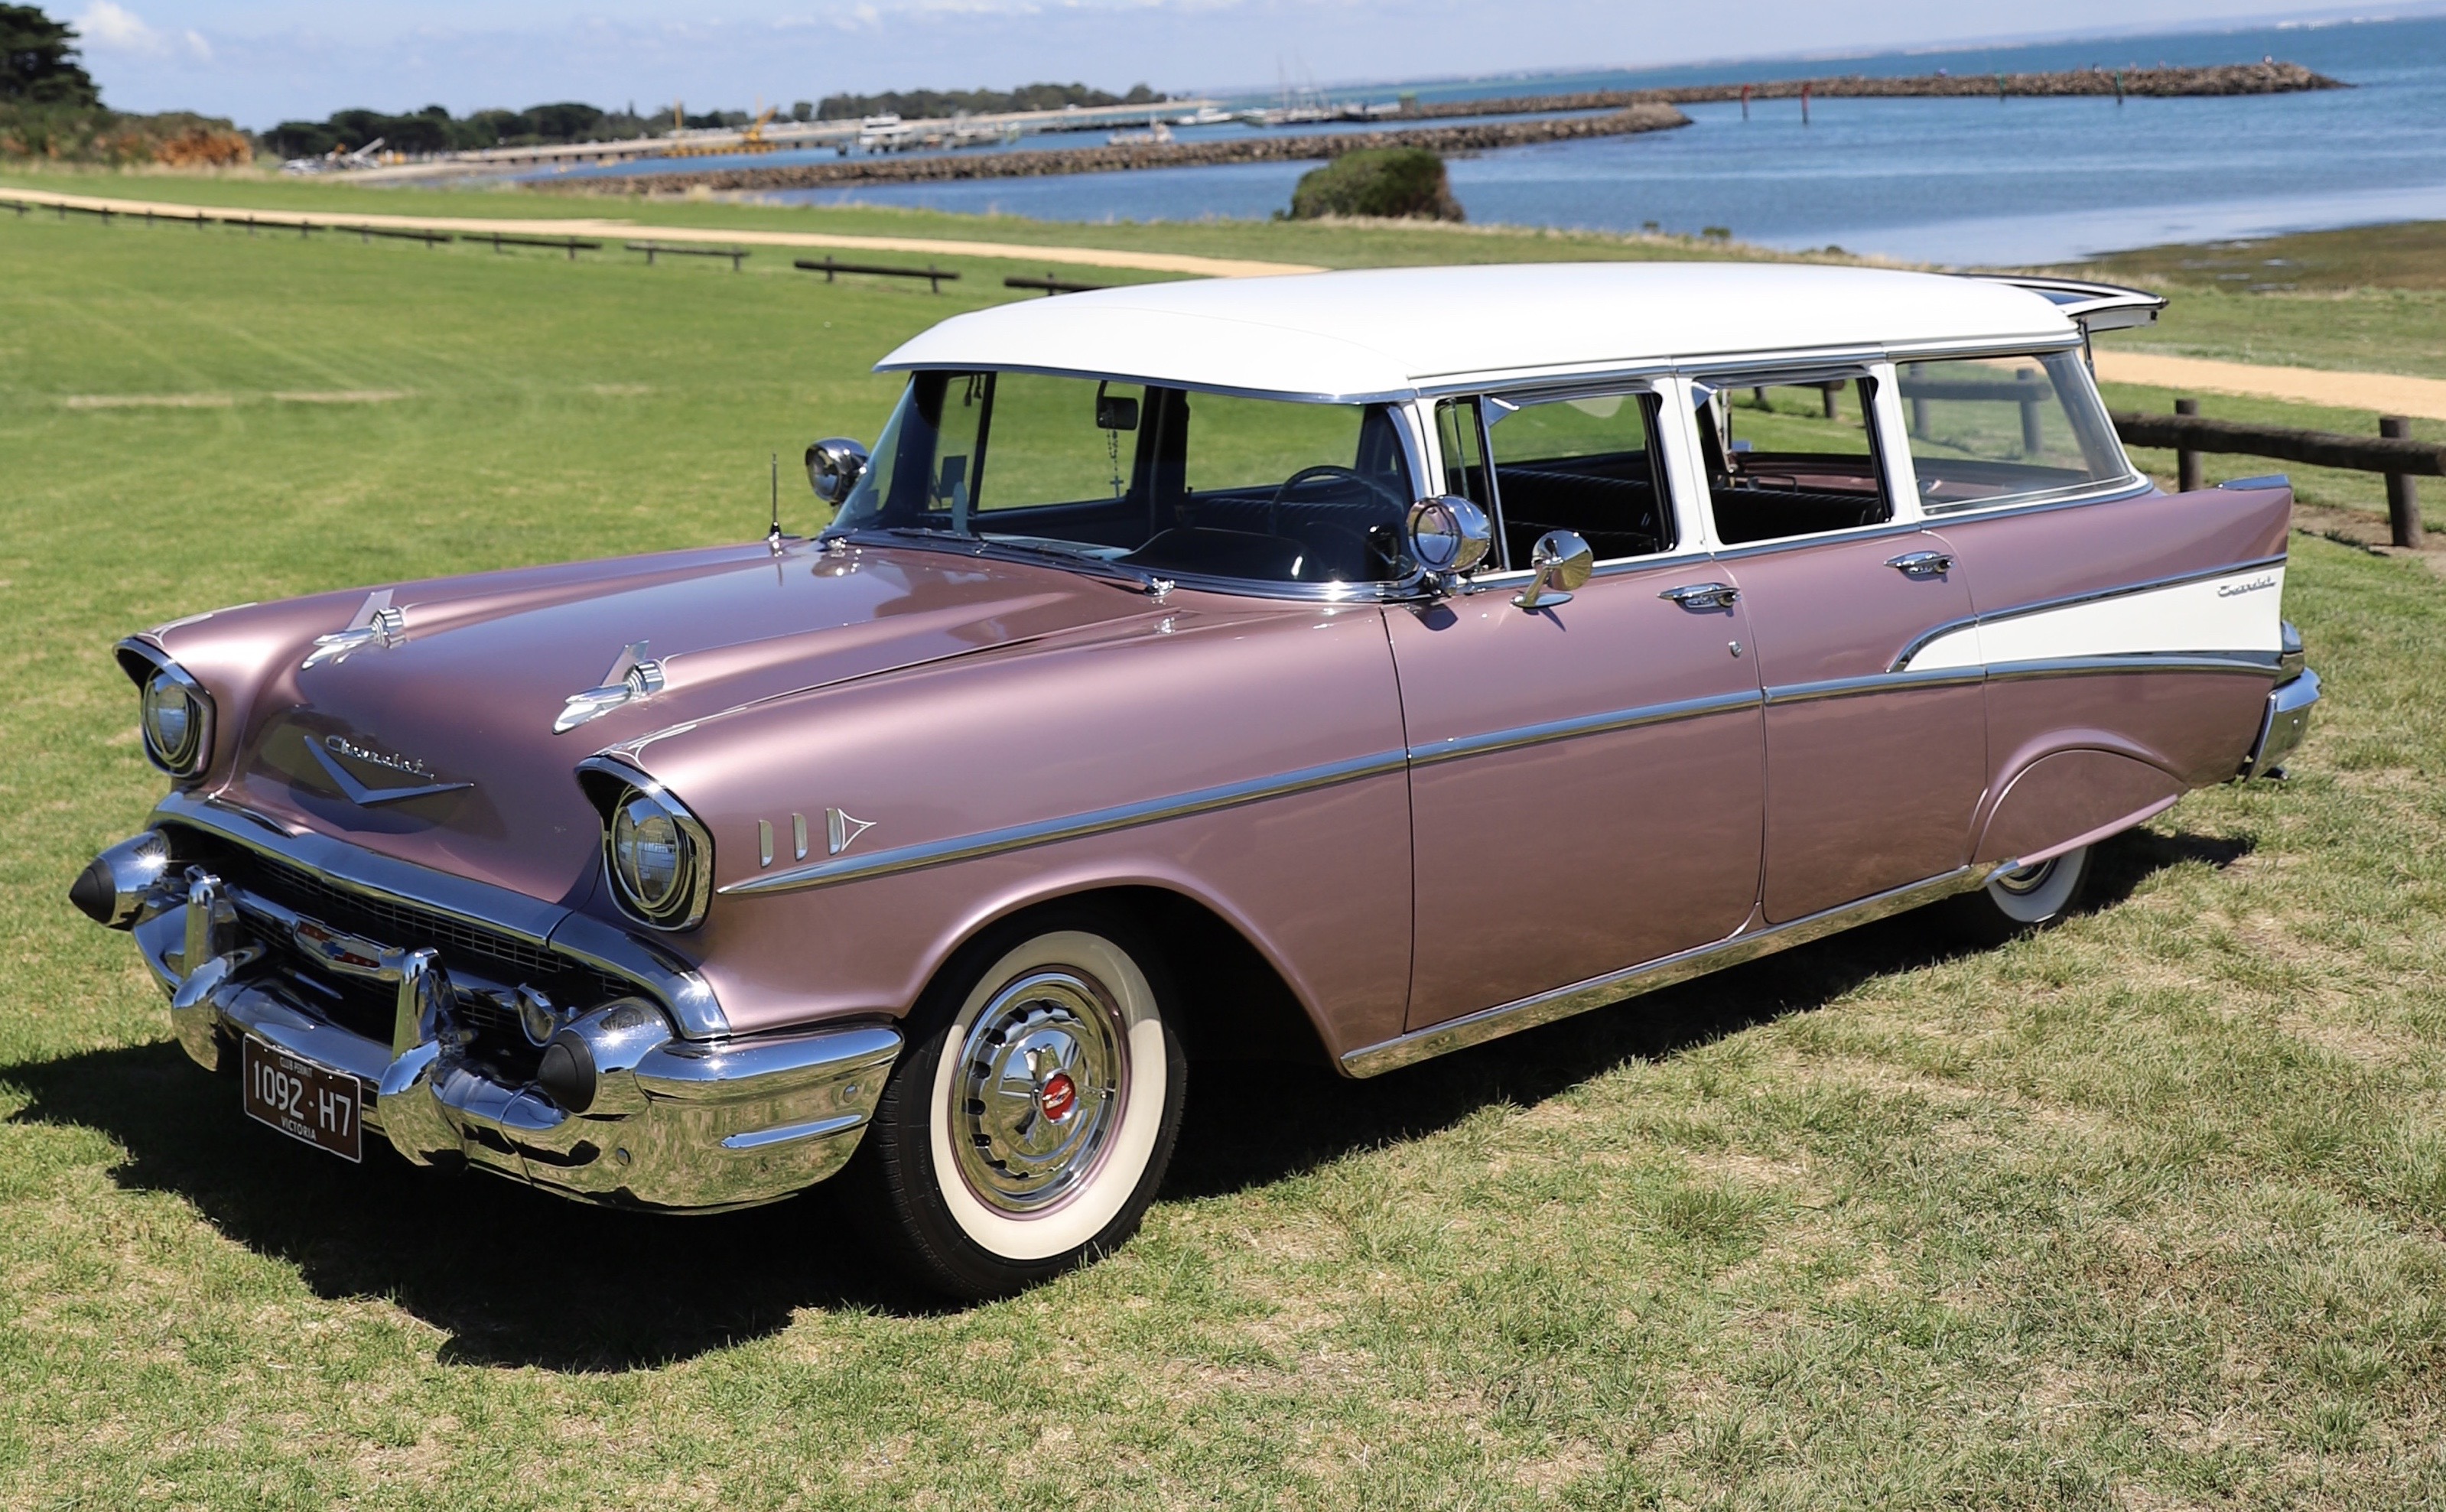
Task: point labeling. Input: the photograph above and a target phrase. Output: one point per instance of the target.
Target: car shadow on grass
(517, 1277)
(1306, 1116)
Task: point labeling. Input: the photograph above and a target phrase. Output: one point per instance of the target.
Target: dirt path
(613, 231)
(2384, 392)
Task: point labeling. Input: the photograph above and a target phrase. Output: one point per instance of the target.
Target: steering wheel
(1325, 470)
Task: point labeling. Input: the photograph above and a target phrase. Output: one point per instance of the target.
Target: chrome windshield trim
(1872, 683)
(1071, 826)
(1554, 729)
(1614, 987)
(549, 926)
(2040, 606)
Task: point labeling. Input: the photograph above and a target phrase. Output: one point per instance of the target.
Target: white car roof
(1384, 333)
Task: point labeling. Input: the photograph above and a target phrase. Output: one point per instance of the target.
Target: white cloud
(197, 47)
(110, 28)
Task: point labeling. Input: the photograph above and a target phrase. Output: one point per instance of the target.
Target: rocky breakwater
(1645, 114)
(2223, 79)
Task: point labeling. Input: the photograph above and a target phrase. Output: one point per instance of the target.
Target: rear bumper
(2281, 728)
(673, 1124)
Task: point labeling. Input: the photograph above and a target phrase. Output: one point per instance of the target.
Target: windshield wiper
(1010, 550)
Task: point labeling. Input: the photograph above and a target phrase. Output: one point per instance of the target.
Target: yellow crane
(750, 140)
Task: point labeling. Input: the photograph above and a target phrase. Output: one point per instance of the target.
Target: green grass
(2150, 1209)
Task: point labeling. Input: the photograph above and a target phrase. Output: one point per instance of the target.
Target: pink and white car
(1360, 665)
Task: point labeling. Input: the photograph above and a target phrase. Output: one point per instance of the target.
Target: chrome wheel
(2041, 894)
(2023, 880)
(1041, 1075)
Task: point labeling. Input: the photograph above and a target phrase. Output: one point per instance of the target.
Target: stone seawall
(1643, 115)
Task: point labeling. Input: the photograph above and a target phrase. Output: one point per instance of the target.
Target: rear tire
(2018, 901)
(1027, 1126)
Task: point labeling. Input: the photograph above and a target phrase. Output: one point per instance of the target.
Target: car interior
(1790, 458)
(1164, 479)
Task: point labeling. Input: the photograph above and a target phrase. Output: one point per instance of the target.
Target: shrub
(1400, 183)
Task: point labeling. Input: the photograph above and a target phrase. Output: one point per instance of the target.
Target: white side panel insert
(2229, 613)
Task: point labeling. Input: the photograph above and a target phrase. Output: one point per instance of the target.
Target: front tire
(1028, 1126)
(2025, 898)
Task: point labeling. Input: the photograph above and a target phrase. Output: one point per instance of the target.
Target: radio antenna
(773, 537)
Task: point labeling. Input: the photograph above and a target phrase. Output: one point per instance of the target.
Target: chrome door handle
(1704, 595)
(1923, 564)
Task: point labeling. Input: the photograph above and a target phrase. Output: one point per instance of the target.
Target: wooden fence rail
(664, 249)
(1053, 286)
(830, 266)
(2392, 452)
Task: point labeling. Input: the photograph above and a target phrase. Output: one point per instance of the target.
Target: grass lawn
(2148, 1211)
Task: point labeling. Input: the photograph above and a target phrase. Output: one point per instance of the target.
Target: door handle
(1923, 564)
(1704, 595)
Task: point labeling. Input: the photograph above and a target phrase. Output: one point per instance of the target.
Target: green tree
(38, 61)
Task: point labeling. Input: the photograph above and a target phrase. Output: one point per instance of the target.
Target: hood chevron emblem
(328, 750)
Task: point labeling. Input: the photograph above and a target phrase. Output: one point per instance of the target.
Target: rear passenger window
(1985, 431)
(1586, 464)
(1787, 458)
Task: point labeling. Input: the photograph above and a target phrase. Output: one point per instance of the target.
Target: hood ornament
(330, 748)
(633, 679)
(377, 624)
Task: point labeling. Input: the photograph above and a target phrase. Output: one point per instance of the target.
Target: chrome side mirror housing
(1448, 536)
(1559, 564)
(834, 467)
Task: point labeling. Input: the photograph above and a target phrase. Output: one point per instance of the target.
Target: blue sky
(262, 61)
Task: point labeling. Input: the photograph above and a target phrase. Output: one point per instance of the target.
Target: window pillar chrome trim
(1614, 987)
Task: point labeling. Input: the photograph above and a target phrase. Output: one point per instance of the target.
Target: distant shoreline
(1627, 112)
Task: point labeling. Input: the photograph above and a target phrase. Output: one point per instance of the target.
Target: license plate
(302, 1100)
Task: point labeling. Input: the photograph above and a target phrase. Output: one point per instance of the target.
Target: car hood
(440, 746)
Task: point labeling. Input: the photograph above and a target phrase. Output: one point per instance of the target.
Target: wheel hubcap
(1037, 1089)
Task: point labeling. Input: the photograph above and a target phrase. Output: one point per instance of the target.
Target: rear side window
(1990, 430)
(1791, 456)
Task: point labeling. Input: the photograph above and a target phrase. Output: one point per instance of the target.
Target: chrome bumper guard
(678, 1125)
(2281, 728)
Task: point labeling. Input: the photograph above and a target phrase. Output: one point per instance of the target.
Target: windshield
(1161, 480)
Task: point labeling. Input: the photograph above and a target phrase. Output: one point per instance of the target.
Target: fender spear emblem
(842, 831)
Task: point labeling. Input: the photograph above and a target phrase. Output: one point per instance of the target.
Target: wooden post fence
(2186, 463)
(2402, 502)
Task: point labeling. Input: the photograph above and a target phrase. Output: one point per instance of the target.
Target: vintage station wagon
(1360, 665)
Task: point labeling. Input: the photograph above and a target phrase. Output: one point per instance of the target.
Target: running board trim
(1615, 987)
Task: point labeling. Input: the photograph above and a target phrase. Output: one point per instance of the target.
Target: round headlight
(173, 722)
(661, 860)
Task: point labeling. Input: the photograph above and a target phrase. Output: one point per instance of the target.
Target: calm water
(1943, 181)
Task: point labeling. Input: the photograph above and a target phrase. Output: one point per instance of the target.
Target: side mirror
(1448, 535)
(834, 467)
(1558, 565)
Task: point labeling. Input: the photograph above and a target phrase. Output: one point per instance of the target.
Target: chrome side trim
(1872, 683)
(1554, 729)
(2248, 663)
(2040, 606)
(1073, 827)
(1600, 991)
(581, 937)
(1883, 527)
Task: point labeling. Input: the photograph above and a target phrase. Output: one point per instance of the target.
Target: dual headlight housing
(658, 856)
(173, 710)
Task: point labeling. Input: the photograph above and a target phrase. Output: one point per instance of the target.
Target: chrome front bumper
(678, 1125)
(2283, 725)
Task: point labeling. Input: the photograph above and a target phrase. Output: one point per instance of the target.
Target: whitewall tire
(1029, 1122)
(2025, 898)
